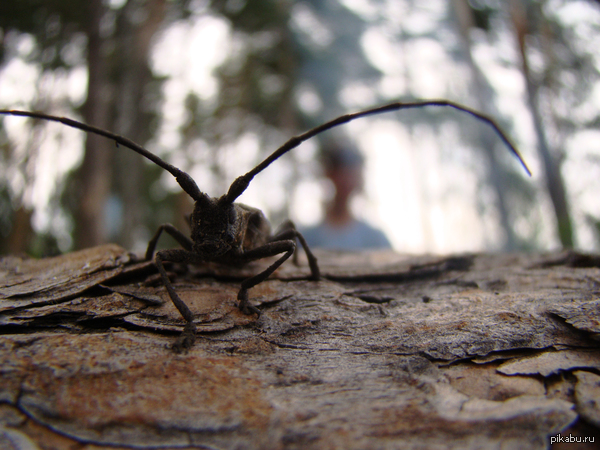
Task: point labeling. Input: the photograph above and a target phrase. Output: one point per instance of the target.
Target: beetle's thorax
(215, 227)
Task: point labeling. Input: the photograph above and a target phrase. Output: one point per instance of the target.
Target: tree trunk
(554, 181)
(386, 351)
(133, 78)
(486, 136)
(93, 176)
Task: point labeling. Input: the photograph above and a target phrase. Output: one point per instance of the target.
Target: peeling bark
(387, 351)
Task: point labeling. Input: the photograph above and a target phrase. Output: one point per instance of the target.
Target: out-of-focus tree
(468, 19)
(93, 185)
(429, 53)
(115, 43)
(49, 36)
(280, 52)
(254, 100)
(559, 67)
(286, 66)
(135, 109)
(529, 22)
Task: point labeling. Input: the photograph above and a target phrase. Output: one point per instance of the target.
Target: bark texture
(387, 351)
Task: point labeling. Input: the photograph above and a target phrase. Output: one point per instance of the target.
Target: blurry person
(340, 230)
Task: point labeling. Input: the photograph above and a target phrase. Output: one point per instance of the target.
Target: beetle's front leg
(188, 336)
(183, 240)
(271, 249)
(288, 231)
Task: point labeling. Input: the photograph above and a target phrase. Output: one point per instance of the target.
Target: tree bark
(386, 351)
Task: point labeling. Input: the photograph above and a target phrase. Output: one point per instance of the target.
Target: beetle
(232, 233)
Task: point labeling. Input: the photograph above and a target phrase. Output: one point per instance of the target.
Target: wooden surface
(386, 352)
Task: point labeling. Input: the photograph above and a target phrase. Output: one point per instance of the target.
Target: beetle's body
(248, 229)
(221, 236)
(232, 233)
(257, 228)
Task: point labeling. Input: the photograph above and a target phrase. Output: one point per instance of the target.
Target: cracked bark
(387, 351)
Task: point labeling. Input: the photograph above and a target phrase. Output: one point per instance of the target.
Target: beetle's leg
(284, 229)
(188, 336)
(183, 240)
(270, 249)
(288, 231)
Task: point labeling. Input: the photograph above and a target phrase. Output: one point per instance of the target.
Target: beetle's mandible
(232, 233)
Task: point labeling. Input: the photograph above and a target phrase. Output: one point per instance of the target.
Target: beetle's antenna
(241, 183)
(185, 181)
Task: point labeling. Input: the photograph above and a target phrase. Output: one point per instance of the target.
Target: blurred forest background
(215, 86)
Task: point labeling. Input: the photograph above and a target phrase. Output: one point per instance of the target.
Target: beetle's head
(214, 227)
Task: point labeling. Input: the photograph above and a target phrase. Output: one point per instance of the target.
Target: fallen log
(386, 351)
